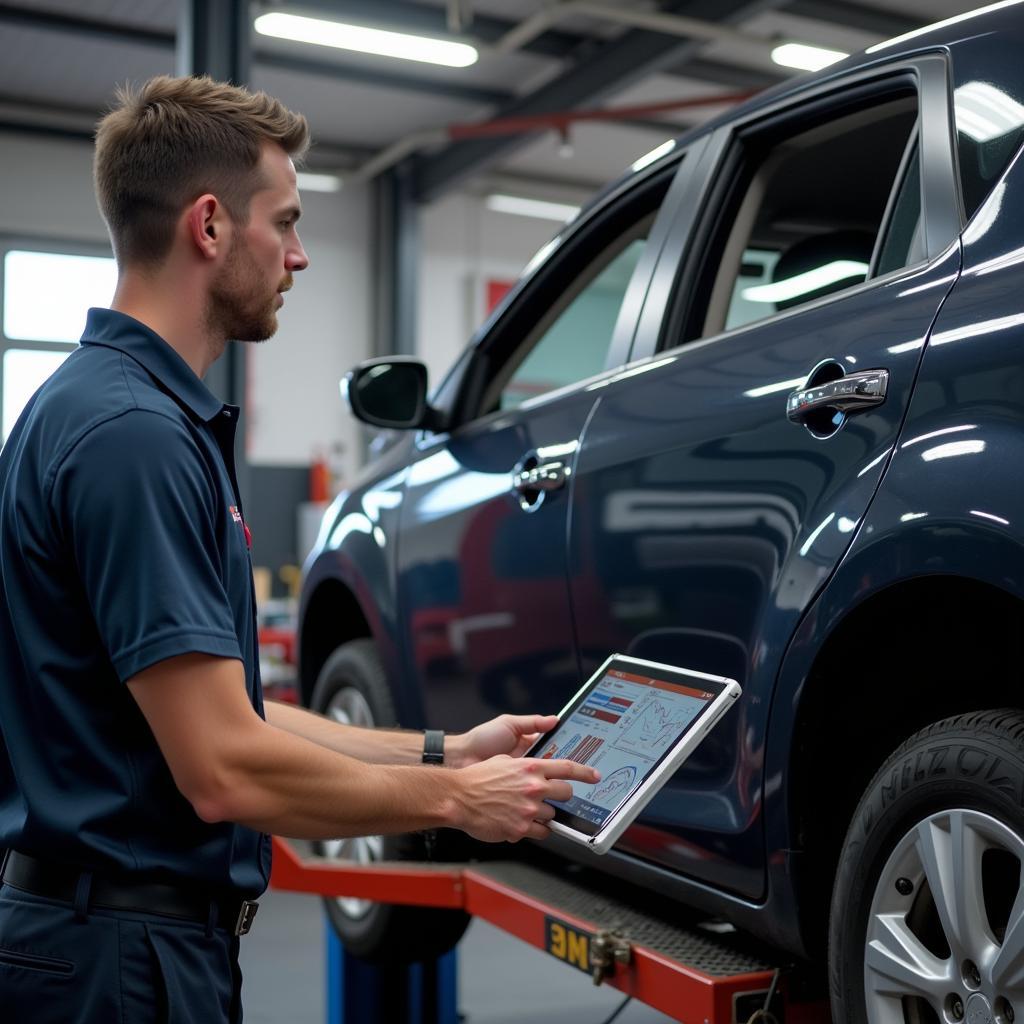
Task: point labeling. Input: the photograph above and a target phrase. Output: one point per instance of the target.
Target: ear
(208, 226)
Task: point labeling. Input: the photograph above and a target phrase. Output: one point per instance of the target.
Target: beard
(239, 307)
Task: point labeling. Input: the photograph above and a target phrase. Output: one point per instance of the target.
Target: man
(139, 770)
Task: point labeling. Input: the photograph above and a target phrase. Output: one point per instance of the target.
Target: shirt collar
(126, 334)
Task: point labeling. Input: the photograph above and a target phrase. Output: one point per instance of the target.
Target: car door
(723, 474)
(482, 590)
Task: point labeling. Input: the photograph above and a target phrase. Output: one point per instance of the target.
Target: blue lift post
(363, 993)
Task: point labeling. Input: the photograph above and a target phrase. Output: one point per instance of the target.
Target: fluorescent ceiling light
(531, 207)
(805, 57)
(807, 282)
(655, 154)
(308, 182)
(366, 40)
(984, 112)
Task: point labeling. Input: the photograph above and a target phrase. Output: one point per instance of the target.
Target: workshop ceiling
(63, 58)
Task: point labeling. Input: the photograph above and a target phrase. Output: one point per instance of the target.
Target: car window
(575, 345)
(560, 328)
(809, 214)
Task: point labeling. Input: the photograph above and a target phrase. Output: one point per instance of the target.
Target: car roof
(968, 29)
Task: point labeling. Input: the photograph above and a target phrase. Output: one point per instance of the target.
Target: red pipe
(561, 121)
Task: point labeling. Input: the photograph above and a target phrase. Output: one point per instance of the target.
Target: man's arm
(233, 766)
(506, 734)
(375, 746)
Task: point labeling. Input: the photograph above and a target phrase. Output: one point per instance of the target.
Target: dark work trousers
(112, 966)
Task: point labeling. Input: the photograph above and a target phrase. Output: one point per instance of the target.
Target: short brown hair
(170, 141)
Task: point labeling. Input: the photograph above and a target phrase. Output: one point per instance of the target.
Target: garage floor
(501, 980)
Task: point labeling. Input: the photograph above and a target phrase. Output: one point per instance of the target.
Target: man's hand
(507, 734)
(502, 799)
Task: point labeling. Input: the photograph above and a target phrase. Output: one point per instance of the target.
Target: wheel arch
(332, 616)
(917, 651)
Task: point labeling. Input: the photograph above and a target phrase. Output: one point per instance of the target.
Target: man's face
(265, 252)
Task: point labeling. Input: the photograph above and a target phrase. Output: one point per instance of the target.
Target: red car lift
(688, 974)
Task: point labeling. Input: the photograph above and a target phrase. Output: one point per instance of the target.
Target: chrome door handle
(548, 476)
(852, 393)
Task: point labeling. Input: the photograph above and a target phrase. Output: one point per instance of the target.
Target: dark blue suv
(758, 411)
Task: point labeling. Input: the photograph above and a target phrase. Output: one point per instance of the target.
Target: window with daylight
(45, 296)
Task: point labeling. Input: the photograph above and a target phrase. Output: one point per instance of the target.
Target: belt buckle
(246, 914)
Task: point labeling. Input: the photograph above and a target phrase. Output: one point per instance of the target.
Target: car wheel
(927, 918)
(352, 688)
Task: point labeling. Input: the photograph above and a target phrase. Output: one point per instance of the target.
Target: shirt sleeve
(136, 505)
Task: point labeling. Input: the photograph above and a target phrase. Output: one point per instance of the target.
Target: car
(756, 411)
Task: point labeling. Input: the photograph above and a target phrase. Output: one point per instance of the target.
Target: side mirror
(389, 392)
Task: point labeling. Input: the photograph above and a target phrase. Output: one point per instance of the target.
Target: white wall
(294, 403)
(294, 406)
(464, 244)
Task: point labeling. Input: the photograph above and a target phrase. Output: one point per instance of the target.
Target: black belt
(60, 882)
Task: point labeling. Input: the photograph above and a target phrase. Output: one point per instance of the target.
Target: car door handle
(548, 476)
(852, 393)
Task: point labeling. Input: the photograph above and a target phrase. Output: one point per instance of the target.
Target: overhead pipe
(559, 121)
(535, 25)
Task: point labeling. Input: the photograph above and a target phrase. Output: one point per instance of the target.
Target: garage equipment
(690, 974)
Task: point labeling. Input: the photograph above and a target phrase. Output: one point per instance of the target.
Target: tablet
(635, 722)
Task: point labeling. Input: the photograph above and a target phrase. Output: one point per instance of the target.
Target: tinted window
(806, 214)
(576, 345)
(559, 330)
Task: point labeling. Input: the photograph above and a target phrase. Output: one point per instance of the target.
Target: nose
(296, 258)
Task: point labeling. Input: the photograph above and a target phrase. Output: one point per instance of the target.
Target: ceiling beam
(851, 15)
(404, 16)
(614, 66)
(64, 121)
(107, 31)
(382, 79)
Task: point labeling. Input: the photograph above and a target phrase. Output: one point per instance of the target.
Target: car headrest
(820, 251)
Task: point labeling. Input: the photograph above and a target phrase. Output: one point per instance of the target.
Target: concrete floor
(501, 980)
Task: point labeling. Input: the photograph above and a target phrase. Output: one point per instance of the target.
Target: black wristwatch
(433, 746)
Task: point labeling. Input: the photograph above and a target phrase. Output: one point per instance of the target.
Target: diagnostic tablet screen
(623, 727)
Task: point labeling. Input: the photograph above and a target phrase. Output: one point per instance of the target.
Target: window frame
(670, 303)
(536, 335)
(45, 244)
(465, 384)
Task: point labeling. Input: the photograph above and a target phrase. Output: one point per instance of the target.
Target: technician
(139, 769)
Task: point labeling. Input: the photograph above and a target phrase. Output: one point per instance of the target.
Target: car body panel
(711, 520)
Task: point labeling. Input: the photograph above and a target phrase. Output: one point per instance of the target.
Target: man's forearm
(280, 782)
(375, 746)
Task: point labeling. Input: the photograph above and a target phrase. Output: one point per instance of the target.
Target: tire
(353, 688)
(926, 919)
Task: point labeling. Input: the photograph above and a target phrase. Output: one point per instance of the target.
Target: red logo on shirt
(237, 517)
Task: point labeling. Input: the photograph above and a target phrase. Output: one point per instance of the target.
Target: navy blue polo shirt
(121, 544)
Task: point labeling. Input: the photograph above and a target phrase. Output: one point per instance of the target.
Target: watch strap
(433, 746)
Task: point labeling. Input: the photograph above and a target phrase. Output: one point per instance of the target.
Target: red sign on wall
(496, 291)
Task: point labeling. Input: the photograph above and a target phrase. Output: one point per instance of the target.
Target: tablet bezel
(716, 685)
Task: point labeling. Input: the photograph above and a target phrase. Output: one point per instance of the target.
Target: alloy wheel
(945, 933)
(349, 707)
